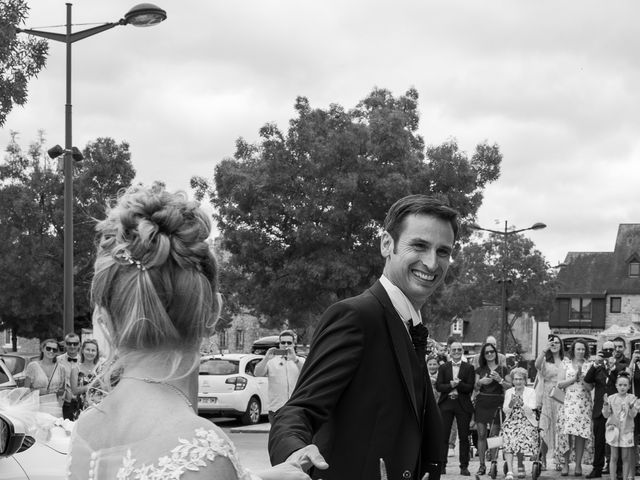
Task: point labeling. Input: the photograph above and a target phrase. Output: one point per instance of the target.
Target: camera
(605, 353)
(279, 351)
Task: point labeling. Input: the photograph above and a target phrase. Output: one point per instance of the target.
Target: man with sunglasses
(602, 375)
(282, 367)
(456, 380)
(68, 359)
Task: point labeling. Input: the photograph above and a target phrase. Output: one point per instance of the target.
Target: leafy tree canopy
(300, 213)
(31, 226)
(20, 58)
(479, 269)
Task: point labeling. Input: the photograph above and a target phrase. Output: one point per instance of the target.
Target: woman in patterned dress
(519, 427)
(155, 291)
(549, 365)
(574, 417)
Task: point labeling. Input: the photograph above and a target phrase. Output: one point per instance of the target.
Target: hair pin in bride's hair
(125, 256)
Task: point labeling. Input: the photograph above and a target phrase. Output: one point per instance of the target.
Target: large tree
(300, 212)
(31, 226)
(476, 276)
(20, 58)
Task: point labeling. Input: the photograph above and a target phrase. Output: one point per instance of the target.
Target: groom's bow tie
(419, 336)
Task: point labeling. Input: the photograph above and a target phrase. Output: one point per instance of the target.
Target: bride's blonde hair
(155, 275)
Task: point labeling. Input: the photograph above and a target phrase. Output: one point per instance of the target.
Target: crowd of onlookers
(579, 410)
(63, 379)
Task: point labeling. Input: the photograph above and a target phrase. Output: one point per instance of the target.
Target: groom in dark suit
(362, 399)
(455, 383)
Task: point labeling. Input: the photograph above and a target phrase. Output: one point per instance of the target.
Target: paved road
(251, 443)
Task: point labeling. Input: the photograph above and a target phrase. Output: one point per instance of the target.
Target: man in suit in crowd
(455, 383)
(602, 374)
(622, 361)
(362, 398)
(68, 360)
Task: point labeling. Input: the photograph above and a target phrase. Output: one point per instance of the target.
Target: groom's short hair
(419, 205)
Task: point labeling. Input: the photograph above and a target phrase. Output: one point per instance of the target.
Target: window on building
(223, 341)
(7, 336)
(239, 339)
(456, 327)
(580, 309)
(634, 269)
(615, 304)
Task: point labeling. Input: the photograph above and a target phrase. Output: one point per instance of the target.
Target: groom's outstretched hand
(308, 457)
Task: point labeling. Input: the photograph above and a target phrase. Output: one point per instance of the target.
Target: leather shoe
(464, 471)
(595, 473)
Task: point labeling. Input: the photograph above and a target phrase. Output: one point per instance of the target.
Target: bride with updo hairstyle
(155, 296)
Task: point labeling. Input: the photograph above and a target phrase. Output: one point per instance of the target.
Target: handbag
(557, 394)
(494, 442)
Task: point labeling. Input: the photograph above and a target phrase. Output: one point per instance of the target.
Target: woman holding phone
(491, 382)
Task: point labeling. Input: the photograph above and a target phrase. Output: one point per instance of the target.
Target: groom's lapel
(399, 340)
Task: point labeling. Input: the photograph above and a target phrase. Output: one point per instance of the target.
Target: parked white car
(21, 455)
(228, 387)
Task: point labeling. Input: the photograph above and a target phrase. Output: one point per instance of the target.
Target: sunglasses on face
(286, 343)
(51, 349)
(72, 344)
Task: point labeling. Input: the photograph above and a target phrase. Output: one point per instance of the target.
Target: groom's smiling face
(417, 262)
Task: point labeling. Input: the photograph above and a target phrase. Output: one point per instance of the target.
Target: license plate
(207, 400)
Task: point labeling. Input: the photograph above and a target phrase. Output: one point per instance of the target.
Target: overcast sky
(555, 83)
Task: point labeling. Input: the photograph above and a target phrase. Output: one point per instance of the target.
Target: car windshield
(219, 366)
(14, 364)
(4, 376)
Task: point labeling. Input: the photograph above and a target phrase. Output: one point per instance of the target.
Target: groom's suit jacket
(362, 396)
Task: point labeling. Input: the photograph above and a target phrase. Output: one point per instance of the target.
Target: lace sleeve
(189, 456)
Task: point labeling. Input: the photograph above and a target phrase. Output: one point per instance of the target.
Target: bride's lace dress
(187, 457)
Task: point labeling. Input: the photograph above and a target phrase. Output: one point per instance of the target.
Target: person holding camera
(602, 375)
(282, 367)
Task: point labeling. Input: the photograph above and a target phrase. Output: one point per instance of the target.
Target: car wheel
(252, 415)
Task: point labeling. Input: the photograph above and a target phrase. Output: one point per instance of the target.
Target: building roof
(483, 321)
(602, 273)
(478, 325)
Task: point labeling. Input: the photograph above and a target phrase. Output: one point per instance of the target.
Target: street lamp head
(538, 226)
(144, 15)
(55, 151)
(475, 226)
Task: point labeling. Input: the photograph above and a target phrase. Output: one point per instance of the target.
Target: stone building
(600, 291)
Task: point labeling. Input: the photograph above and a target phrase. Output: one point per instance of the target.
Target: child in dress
(619, 410)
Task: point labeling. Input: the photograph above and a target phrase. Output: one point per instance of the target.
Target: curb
(258, 428)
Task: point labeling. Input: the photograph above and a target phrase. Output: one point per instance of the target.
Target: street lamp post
(503, 276)
(142, 15)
